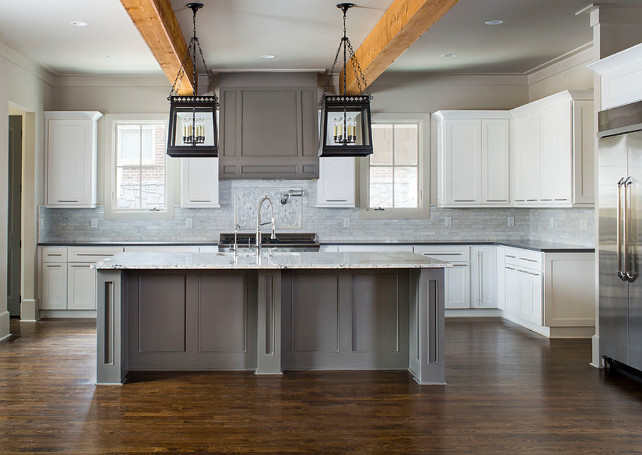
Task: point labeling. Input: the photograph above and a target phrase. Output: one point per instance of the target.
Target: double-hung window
(394, 178)
(139, 183)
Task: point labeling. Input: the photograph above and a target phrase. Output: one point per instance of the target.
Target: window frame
(110, 161)
(423, 180)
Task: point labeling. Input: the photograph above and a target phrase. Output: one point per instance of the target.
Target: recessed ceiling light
(494, 22)
(268, 56)
(111, 56)
(79, 23)
(449, 55)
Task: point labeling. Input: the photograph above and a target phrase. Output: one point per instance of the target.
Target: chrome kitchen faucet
(259, 224)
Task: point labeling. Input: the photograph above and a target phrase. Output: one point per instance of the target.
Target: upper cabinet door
(526, 159)
(199, 183)
(495, 162)
(71, 159)
(556, 156)
(462, 160)
(269, 132)
(336, 184)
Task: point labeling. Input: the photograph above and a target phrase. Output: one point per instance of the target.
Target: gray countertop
(546, 247)
(268, 260)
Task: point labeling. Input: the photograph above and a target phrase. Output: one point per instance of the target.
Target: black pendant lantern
(192, 119)
(346, 127)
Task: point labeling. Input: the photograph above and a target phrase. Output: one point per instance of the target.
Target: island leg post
(268, 354)
(427, 340)
(110, 368)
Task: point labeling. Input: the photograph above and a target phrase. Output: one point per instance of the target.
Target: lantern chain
(358, 73)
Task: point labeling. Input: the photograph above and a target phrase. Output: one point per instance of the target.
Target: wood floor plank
(509, 392)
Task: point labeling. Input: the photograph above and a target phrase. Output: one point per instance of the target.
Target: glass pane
(338, 123)
(406, 144)
(380, 187)
(406, 190)
(153, 187)
(382, 144)
(128, 148)
(185, 128)
(147, 144)
(128, 187)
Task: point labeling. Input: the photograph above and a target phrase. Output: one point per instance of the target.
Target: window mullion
(140, 166)
(393, 165)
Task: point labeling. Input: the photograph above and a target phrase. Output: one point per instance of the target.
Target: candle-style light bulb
(335, 130)
(350, 124)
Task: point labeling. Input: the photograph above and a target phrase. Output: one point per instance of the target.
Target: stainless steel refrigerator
(620, 234)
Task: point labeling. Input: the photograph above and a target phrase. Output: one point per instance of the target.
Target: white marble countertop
(269, 260)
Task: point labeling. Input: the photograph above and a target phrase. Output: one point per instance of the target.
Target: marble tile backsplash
(239, 200)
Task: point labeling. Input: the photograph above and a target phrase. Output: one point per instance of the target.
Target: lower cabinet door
(81, 287)
(54, 286)
(537, 315)
(457, 282)
(526, 294)
(512, 290)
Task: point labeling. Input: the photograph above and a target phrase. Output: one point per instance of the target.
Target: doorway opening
(14, 237)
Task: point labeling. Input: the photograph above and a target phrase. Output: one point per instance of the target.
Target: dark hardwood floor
(509, 392)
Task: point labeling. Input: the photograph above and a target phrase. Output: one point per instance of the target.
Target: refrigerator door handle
(618, 224)
(629, 272)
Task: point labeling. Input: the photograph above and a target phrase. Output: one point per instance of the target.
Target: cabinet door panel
(200, 182)
(526, 155)
(484, 277)
(525, 295)
(536, 314)
(336, 183)
(457, 282)
(68, 167)
(495, 161)
(81, 287)
(463, 161)
(54, 286)
(512, 293)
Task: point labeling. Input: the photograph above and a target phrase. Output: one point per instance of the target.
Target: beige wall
(25, 89)
(111, 95)
(569, 73)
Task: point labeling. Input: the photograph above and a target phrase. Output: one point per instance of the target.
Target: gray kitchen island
(270, 312)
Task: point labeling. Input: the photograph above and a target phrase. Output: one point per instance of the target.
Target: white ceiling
(303, 34)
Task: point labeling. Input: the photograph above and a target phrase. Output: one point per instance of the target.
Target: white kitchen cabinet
(523, 287)
(71, 158)
(473, 158)
(199, 183)
(501, 279)
(54, 286)
(483, 276)
(336, 184)
(552, 151)
(69, 281)
(457, 277)
(162, 249)
(366, 248)
(81, 286)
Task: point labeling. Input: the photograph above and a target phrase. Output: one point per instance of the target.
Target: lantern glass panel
(194, 127)
(345, 125)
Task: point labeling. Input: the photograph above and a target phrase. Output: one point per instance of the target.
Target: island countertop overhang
(269, 260)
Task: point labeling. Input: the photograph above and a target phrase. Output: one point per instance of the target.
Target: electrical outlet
(448, 221)
(94, 223)
(346, 222)
(510, 221)
(189, 223)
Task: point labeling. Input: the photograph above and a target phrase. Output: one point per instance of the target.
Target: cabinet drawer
(511, 257)
(447, 253)
(92, 254)
(54, 254)
(530, 260)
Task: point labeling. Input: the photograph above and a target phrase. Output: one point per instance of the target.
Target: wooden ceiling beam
(402, 24)
(157, 24)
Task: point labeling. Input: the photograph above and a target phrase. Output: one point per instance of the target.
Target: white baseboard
(4, 326)
(29, 310)
(596, 360)
(68, 314)
(474, 313)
